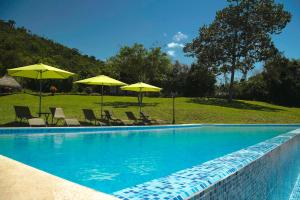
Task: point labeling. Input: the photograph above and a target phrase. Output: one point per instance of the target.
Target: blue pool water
(115, 160)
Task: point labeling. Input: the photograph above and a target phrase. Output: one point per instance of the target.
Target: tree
(176, 79)
(282, 77)
(239, 36)
(255, 88)
(136, 63)
(200, 81)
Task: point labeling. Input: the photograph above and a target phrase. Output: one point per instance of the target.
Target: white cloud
(175, 45)
(179, 37)
(171, 53)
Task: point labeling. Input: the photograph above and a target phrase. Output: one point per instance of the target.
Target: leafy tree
(136, 63)
(176, 79)
(253, 89)
(239, 36)
(278, 83)
(282, 77)
(200, 81)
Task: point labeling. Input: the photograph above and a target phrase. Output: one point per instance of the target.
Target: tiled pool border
(295, 195)
(193, 182)
(89, 129)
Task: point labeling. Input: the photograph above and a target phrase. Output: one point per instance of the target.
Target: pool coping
(91, 129)
(88, 129)
(22, 182)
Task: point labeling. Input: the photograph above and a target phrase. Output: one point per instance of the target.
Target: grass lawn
(188, 110)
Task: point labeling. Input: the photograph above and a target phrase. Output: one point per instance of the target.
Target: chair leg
(57, 121)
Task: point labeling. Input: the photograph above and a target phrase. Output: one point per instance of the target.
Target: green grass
(188, 110)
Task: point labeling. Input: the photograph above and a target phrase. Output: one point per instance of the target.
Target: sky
(100, 27)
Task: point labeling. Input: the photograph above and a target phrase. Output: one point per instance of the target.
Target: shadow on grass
(125, 104)
(15, 124)
(6, 94)
(234, 104)
(24, 124)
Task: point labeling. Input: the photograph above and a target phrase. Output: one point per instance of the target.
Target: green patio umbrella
(141, 87)
(40, 71)
(103, 81)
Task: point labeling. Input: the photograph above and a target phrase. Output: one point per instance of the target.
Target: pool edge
(214, 171)
(21, 181)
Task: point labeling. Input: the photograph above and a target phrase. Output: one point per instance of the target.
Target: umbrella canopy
(103, 81)
(8, 81)
(40, 71)
(140, 88)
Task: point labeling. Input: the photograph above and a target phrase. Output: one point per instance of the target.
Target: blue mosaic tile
(198, 180)
(295, 195)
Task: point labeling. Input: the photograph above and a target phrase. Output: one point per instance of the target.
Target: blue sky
(100, 28)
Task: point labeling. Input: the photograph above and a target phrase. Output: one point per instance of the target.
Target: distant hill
(19, 47)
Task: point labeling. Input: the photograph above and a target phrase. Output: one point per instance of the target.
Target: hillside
(19, 47)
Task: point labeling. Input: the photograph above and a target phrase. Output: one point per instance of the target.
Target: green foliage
(282, 77)
(138, 64)
(200, 82)
(278, 83)
(239, 36)
(176, 79)
(18, 47)
(255, 88)
(193, 81)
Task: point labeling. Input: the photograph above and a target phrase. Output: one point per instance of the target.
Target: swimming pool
(109, 161)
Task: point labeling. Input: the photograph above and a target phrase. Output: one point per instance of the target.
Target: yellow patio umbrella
(40, 71)
(103, 81)
(141, 87)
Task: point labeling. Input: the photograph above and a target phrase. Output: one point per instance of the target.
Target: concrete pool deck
(22, 182)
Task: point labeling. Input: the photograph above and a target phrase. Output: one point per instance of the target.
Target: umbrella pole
(40, 103)
(173, 97)
(101, 100)
(140, 93)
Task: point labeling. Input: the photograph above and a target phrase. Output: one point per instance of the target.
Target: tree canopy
(18, 47)
(137, 64)
(239, 36)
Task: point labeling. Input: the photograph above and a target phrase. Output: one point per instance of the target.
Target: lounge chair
(58, 114)
(23, 113)
(90, 116)
(146, 118)
(111, 119)
(135, 121)
(36, 122)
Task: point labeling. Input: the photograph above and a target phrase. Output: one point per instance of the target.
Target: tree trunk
(232, 69)
(231, 83)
